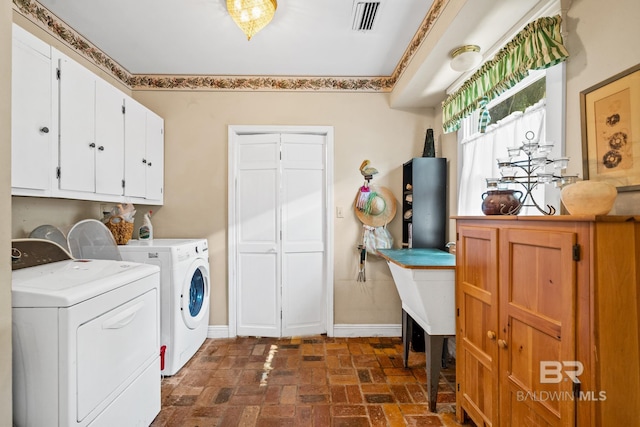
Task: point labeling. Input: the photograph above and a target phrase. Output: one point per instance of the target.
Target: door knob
(502, 344)
(101, 148)
(92, 145)
(44, 129)
(491, 335)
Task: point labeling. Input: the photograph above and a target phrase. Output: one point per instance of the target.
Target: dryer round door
(194, 300)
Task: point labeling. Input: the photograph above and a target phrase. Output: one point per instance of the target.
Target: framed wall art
(610, 118)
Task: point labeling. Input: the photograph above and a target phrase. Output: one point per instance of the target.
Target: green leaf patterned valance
(537, 46)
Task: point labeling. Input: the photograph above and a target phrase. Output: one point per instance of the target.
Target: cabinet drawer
(112, 347)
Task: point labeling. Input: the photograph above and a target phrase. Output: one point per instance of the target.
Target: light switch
(339, 213)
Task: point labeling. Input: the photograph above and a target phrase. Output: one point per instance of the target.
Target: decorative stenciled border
(261, 83)
(41, 16)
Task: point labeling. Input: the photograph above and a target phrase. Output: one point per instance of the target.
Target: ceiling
(309, 38)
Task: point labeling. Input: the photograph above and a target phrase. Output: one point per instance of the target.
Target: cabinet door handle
(44, 129)
(502, 344)
(101, 148)
(92, 145)
(491, 335)
(144, 160)
(149, 164)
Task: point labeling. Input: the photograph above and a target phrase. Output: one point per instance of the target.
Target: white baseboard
(367, 330)
(351, 330)
(218, 331)
(344, 331)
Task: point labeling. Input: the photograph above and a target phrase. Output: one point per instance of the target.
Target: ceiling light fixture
(465, 58)
(251, 15)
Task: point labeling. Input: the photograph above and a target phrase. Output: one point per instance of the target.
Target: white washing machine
(86, 339)
(184, 294)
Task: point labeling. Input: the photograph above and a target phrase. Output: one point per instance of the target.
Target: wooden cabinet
(91, 132)
(424, 203)
(144, 153)
(33, 104)
(547, 320)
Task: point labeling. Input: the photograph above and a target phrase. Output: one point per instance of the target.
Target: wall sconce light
(251, 15)
(465, 58)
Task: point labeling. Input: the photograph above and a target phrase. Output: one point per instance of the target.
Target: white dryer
(85, 339)
(184, 294)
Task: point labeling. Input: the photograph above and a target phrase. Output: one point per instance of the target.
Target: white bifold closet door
(281, 239)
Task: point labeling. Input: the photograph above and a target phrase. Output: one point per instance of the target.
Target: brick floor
(311, 381)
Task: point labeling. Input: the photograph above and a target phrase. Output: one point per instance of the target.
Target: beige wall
(5, 212)
(30, 212)
(602, 41)
(196, 176)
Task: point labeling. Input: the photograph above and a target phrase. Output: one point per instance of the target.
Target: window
(520, 109)
(519, 101)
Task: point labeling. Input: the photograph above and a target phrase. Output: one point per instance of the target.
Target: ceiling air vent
(364, 15)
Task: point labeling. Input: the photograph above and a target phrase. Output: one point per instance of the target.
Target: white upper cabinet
(144, 153)
(33, 128)
(91, 131)
(76, 136)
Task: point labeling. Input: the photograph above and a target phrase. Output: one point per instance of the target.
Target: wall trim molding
(218, 331)
(347, 330)
(367, 330)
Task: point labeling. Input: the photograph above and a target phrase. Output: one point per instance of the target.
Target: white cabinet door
(32, 127)
(77, 127)
(155, 157)
(144, 153)
(135, 136)
(109, 151)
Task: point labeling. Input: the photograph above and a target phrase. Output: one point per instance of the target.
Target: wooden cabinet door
(536, 340)
(477, 323)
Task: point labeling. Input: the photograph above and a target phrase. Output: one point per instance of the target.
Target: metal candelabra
(537, 167)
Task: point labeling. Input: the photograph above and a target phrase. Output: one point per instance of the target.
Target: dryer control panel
(32, 252)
